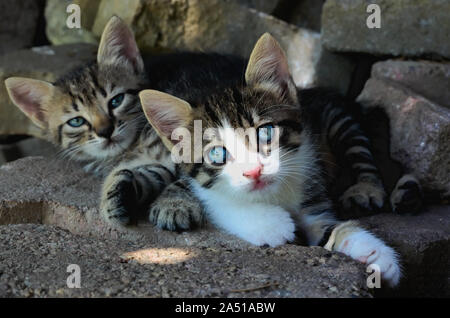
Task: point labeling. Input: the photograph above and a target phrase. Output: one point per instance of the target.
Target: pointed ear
(118, 46)
(165, 113)
(268, 68)
(29, 95)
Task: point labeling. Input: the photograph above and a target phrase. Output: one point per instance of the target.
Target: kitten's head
(92, 112)
(252, 134)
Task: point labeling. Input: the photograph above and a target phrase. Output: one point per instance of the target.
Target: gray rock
(3, 157)
(419, 127)
(303, 13)
(35, 258)
(428, 79)
(141, 261)
(203, 262)
(56, 17)
(423, 241)
(26, 148)
(266, 6)
(45, 63)
(18, 24)
(408, 27)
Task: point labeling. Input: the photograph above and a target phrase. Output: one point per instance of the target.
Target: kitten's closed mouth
(260, 184)
(111, 143)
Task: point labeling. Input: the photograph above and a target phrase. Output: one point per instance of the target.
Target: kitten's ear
(165, 113)
(268, 68)
(30, 95)
(118, 46)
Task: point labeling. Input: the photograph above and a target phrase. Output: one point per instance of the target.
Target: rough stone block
(203, 263)
(26, 148)
(35, 258)
(408, 27)
(302, 13)
(141, 261)
(409, 92)
(56, 22)
(423, 241)
(266, 6)
(426, 78)
(18, 24)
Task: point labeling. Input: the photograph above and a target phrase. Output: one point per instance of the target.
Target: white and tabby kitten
(272, 188)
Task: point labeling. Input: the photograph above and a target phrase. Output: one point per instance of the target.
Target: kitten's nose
(254, 173)
(106, 132)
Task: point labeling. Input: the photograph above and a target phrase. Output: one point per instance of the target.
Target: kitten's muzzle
(106, 132)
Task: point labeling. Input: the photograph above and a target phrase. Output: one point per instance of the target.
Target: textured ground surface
(34, 258)
(34, 261)
(151, 263)
(423, 242)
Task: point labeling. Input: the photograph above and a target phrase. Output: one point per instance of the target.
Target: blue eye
(218, 155)
(116, 101)
(77, 122)
(265, 133)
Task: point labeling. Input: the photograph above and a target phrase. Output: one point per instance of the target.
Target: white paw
(368, 249)
(274, 229)
(257, 223)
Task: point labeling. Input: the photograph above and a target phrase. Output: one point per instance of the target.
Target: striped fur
(348, 147)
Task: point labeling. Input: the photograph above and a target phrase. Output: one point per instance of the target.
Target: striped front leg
(352, 148)
(127, 192)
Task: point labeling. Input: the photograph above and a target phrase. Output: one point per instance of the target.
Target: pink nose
(254, 173)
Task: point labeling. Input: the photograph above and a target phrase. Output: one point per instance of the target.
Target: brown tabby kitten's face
(254, 144)
(93, 112)
(96, 113)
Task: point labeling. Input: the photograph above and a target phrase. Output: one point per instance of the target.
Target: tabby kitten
(272, 187)
(95, 115)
